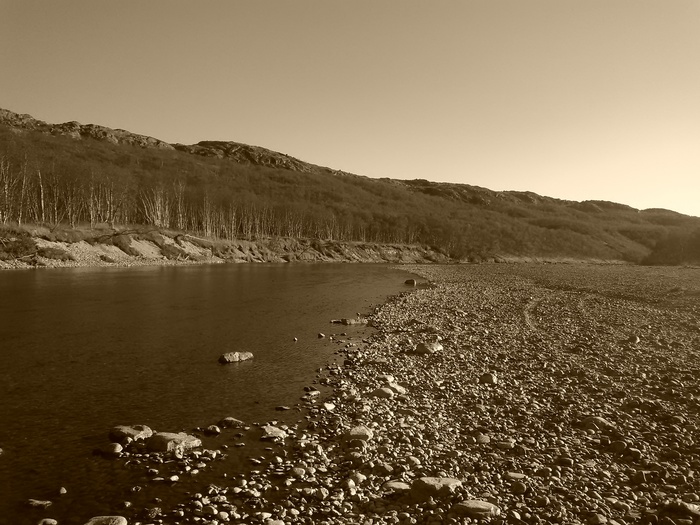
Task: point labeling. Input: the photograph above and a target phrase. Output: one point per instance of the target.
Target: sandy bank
(130, 248)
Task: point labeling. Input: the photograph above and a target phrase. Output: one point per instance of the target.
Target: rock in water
(234, 357)
(474, 508)
(122, 433)
(272, 432)
(170, 442)
(411, 282)
(107, 520)
(38, 503)
(231, 422)
(113, 449)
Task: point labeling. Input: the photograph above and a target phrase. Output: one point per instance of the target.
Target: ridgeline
(70, 176)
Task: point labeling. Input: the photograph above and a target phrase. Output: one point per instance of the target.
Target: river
(83, 350)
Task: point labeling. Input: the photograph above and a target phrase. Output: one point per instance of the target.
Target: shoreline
(522, 394)
(173, 249)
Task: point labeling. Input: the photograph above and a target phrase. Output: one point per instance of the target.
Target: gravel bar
(515, 393)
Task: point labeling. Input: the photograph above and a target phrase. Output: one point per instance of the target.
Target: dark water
(82, 350)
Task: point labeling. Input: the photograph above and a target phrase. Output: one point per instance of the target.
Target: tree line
(57, 193)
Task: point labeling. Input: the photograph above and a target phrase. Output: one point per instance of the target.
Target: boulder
(172, 442)
(424, 488)
(477, 509)
(107, 520)
(411, 282)
(122, 433)
(235, 357)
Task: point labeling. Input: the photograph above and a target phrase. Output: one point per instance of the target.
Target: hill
(73, 174)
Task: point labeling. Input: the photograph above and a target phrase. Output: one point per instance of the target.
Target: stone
(172, 442)
(107, 520)
(360, 432)
(213, 430)
(597, 423)
(231, 422)
(396, 487)
(122, 433)
(398, 389)
(47, 521)
(411, 282)
(518, 487)
(112, 449)
(383, 393)
(682, 508)
(235, 357)
(272, 432)
(477, 509)
(38, 503)
(428, 348)
(489, 378)
(433, 487)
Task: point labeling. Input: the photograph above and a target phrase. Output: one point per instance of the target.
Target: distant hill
(75, 174)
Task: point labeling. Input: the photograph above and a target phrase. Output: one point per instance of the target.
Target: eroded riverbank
(510, 393)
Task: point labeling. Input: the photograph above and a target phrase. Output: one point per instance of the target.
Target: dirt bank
(44, 248)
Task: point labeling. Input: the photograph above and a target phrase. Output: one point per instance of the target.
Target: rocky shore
(521, 394)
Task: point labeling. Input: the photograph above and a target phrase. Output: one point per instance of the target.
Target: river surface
(83, 350)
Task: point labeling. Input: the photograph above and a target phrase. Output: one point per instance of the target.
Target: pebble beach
(511, 393)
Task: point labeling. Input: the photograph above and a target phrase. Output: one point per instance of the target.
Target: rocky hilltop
(79, 131)
(241, 153)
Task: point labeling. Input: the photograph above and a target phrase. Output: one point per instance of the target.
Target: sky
(573, 99)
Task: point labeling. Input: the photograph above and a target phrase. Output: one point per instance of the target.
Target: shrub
(14, 246)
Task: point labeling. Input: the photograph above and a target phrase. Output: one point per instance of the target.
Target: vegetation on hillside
(58, 180)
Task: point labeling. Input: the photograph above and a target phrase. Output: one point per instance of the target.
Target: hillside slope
(75, 174)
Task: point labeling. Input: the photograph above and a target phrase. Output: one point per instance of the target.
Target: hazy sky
(575, 99)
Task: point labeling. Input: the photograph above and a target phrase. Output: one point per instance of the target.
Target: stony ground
(500, 393)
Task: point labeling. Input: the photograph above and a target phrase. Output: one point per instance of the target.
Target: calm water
(82, 350)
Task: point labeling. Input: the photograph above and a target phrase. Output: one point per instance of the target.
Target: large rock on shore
(235, 357)
(172, 442)
(432, 487)
(360, 432)
(428, 348)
